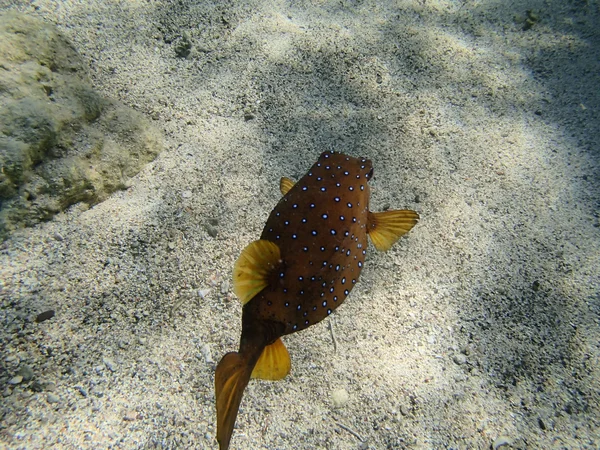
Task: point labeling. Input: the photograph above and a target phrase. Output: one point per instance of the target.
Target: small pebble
(82, 391)
(501, 441)
(225, 287)
(339, 398)
(211, 230)
(52, 398)
(203, 293)
(17, 379)
(26, 372)
(110, 364)
(205, 350)
(11, 358)
(97, 392)
(460, 377)
(460, 359)
(130, 415)
(142, 341)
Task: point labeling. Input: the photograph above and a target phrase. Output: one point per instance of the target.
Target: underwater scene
(300, 224)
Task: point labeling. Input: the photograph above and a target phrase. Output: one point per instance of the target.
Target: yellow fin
(253, 268)
(385, 228)
(274, 362)
(285, 184)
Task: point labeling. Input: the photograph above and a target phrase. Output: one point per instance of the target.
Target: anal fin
(274, 362)
(385, 228)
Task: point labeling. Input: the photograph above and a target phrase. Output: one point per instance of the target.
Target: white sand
(482, 323)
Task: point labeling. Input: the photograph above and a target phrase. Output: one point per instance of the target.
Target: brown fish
(308, 259)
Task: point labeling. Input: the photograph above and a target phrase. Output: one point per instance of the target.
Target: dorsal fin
(285, 184)
(385, 228)
(254, 267)
(274, 362)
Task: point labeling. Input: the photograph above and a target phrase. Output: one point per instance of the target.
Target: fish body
(320, 228)
(306, 262)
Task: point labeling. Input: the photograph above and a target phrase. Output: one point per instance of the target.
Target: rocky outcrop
(60, 141)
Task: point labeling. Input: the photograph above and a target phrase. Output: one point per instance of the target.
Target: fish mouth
(370, 174)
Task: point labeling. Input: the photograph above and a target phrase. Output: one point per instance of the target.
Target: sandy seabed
(479, 330)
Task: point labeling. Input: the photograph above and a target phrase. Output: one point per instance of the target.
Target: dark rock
(37, 386)
(43, 316)
(184, 47)
(211, 230)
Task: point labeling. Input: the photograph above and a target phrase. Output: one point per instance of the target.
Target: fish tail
(231, 378)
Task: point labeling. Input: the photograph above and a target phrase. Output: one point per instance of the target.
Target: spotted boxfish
(306, 262)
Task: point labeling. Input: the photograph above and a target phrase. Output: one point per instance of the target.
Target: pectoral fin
(385, 228)
(254, 267)
(285, 184)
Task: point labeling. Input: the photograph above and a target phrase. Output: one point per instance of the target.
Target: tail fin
(231, 378)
